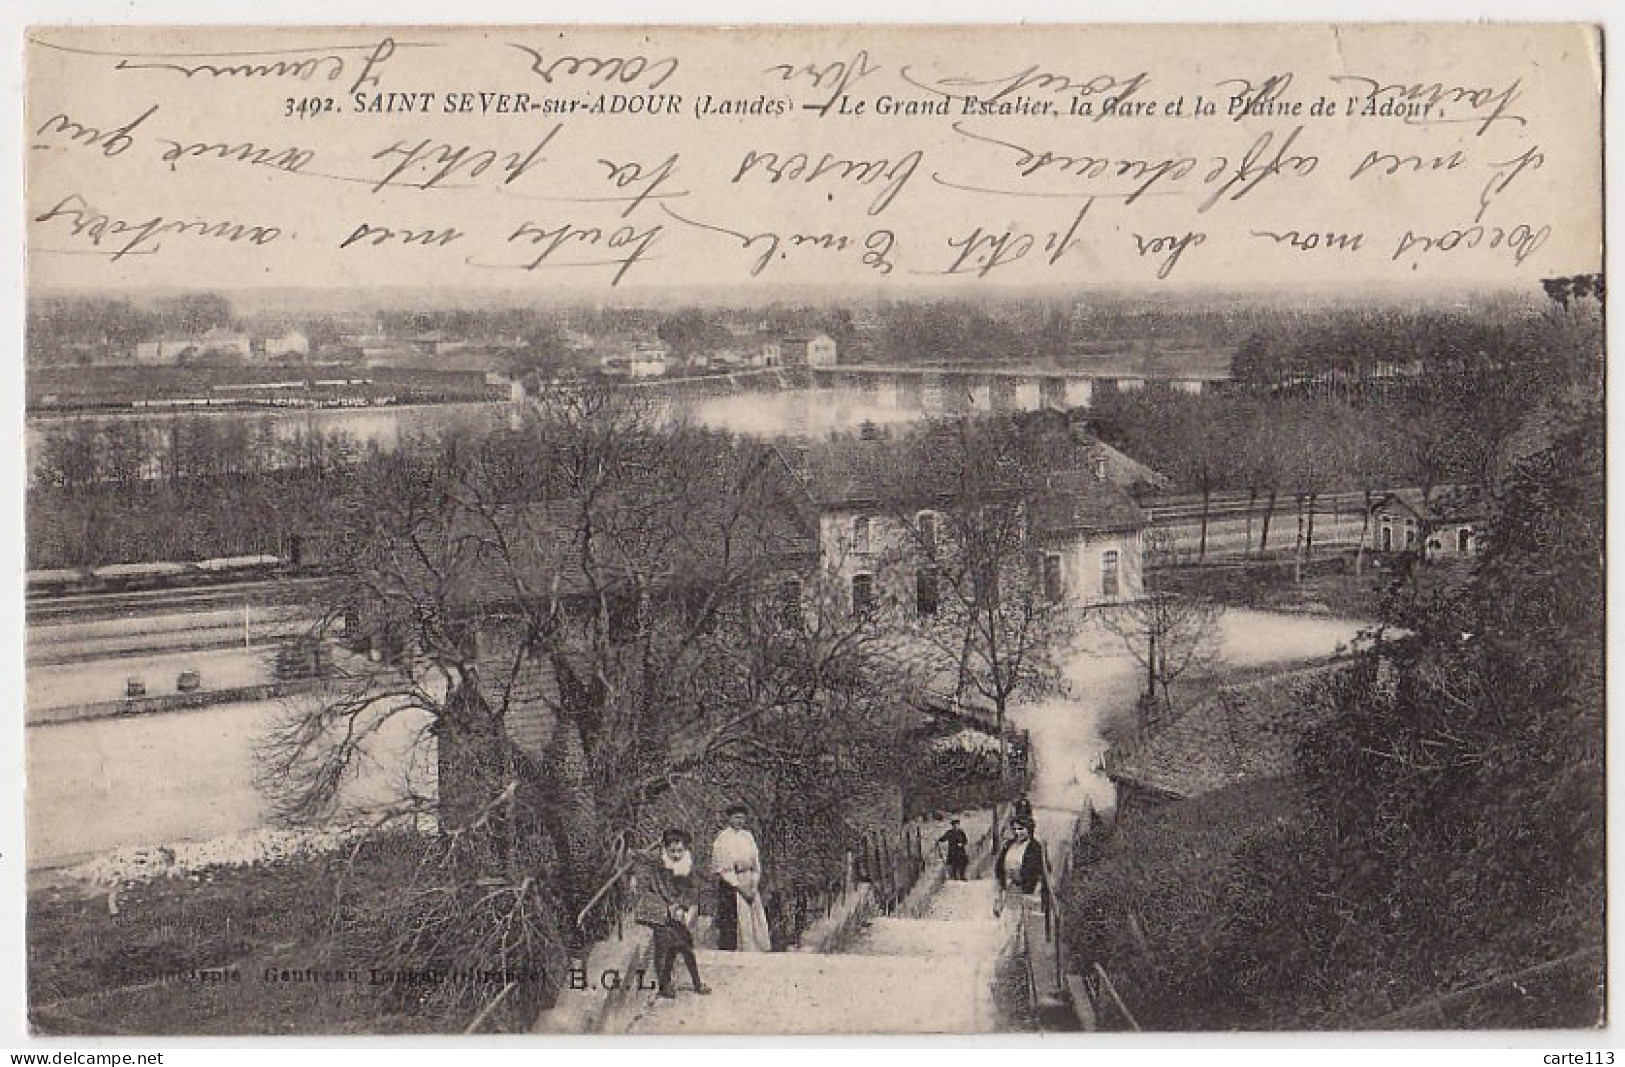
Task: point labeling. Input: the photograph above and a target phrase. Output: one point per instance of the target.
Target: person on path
(1021, 866)
(667, 901)
(741, 919)
(958, 854)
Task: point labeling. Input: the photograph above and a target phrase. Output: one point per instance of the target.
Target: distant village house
(816, 350)
(287, 344)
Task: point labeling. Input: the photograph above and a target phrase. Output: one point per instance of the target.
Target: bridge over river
(770, 401)
(1010, 388)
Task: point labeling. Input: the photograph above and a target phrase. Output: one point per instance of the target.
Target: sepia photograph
(814, 530)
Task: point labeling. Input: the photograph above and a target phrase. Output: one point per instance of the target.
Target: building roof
(925, 467)
(1446, 503)
(540, 550)
(647, 534)
(1127, 472)
(863, 470)
(1242, 733)
(1078, 502)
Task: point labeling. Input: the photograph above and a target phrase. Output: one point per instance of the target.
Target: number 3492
(308, 106)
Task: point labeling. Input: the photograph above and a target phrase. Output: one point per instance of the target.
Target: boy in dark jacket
(667, 901)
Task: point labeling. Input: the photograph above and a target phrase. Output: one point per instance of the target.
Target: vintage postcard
(814, 530)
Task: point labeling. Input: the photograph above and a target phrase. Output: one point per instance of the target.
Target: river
(806, 410)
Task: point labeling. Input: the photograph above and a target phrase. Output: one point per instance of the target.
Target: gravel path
(61, 685)
(177, 776)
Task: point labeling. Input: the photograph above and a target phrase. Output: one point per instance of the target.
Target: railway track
(45, 609)
(1177, 510)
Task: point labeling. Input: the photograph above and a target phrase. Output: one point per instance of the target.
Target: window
(927, 525)
(1108, 573)
(1387, 537)
(985, 584)
(351, 625)
(1099, 466)
(1464, 541)
(863, 593)
(622, 617)
(1410, 536)
(860, 534)
(926, 594)
(1054, 584)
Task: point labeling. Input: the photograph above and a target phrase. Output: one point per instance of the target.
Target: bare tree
(595, 619)
(1170, 636)
(963, 493)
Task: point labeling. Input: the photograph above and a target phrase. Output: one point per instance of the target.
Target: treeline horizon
(947, 329)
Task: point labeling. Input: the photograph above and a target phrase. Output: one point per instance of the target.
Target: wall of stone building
(1445, 541)
(1403, 526)
(895, 556)
(1083, 559)
(528, 697)
(893, 560)
(892, 548)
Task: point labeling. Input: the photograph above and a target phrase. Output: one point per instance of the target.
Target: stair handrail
(1111, 990)
(623, 860)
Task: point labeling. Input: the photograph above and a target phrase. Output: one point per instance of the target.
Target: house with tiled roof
(1241, 733)
(482, 581)
(1444, 524)
(1089, 536)
(815, 350)
(884, 504)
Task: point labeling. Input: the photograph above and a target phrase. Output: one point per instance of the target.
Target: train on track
(1226, 524)
(138, 577)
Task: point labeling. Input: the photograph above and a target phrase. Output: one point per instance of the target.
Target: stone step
(807, 993)
(962, 900)
(930, 974)
(814, 962)
(935, 938)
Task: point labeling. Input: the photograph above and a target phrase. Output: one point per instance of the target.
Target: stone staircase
(931, 973)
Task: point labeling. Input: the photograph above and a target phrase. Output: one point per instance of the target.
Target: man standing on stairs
(741, 919)
(667, 901)
(958, 858)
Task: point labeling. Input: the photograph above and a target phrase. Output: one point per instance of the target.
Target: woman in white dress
(741, 915)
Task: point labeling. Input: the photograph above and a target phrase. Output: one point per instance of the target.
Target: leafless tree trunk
(1269, 513)
(1170, 637)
